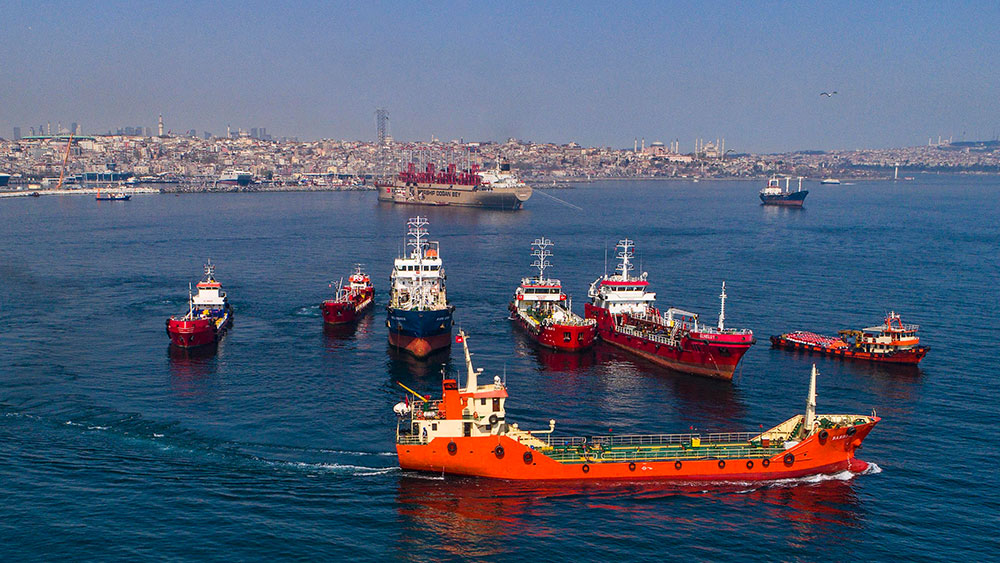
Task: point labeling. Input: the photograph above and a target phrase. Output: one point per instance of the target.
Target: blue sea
(279, 444)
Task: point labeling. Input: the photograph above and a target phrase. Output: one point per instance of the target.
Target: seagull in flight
(828, 94)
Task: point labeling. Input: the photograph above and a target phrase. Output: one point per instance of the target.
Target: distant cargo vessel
(626, 318)
(493, 189)
(830, 181)
(208, 317)
(891, 342)
(235, 178)
(419, 315)
(773, 194)
(546, 313)
(466, 432)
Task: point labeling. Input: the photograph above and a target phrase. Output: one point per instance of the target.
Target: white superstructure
(418, 279)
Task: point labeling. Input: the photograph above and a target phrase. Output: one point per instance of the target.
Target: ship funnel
(810, 404)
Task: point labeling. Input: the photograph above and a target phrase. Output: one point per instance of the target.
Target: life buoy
(823, 435)
(851, 431)
(452, 448)
(678, 465)
(631, 466)
(749, 464)
(789, 459)
(494, 419)
(765, 462)
(528, 458)
(498, 451)
(586, 468)
(722, 464)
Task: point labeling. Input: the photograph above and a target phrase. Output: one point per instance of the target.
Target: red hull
(343, 312)
(565, 338)
(480, 456)
(906, 357)
(421, 347)
(192, 333)
(716, 359)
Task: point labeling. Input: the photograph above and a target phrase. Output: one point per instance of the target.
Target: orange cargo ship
(466, 432)
(892, 342)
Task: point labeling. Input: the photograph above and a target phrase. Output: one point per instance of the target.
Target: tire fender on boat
(586, 468)
(789, 459)
(452, 448)
(498, 451)
(678, 465)
(528, 457)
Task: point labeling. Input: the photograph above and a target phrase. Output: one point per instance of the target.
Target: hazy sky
(594, 73)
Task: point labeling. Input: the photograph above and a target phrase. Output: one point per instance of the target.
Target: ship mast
(417, 232)
(472, 381)
(810, 404)
(540, 246)
(722, 308)
(625, 254)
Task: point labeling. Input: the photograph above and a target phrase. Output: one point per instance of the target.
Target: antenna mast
(625, 255)
(722, 308)
(541, 252)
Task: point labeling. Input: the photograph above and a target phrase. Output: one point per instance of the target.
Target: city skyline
(554, 73)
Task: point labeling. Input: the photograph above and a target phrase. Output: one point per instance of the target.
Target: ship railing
(652, 337)
(408, 439)
(640, 454)
(664, 439)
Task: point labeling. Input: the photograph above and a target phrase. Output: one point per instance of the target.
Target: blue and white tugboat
(419, 315)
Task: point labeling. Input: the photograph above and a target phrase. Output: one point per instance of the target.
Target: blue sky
(594, 73)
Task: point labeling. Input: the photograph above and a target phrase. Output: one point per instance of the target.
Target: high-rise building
(159, 126)
(17, 133)
(253, 133)
(72, 129)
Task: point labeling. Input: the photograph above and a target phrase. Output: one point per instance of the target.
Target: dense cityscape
(67, 158)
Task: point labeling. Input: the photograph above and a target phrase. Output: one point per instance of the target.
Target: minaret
(159, 127)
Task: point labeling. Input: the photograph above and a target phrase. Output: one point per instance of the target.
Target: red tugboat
(352, 300)
(546, 313)
(209, 315)
(892, 343)
(466, 432)
(627, 318)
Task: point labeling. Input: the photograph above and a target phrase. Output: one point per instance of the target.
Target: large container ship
(208, 317)
(773, 194)
(467, 432)
(493, 189)
(351, 301)
(627, 318)
(891, 342)
(419, 315)
(543, 311)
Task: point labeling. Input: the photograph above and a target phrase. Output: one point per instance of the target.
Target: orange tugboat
(892, 342)
(466, 432)
(544, 312)
(352, 300)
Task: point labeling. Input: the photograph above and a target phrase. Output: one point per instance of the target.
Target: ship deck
(665, 447)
